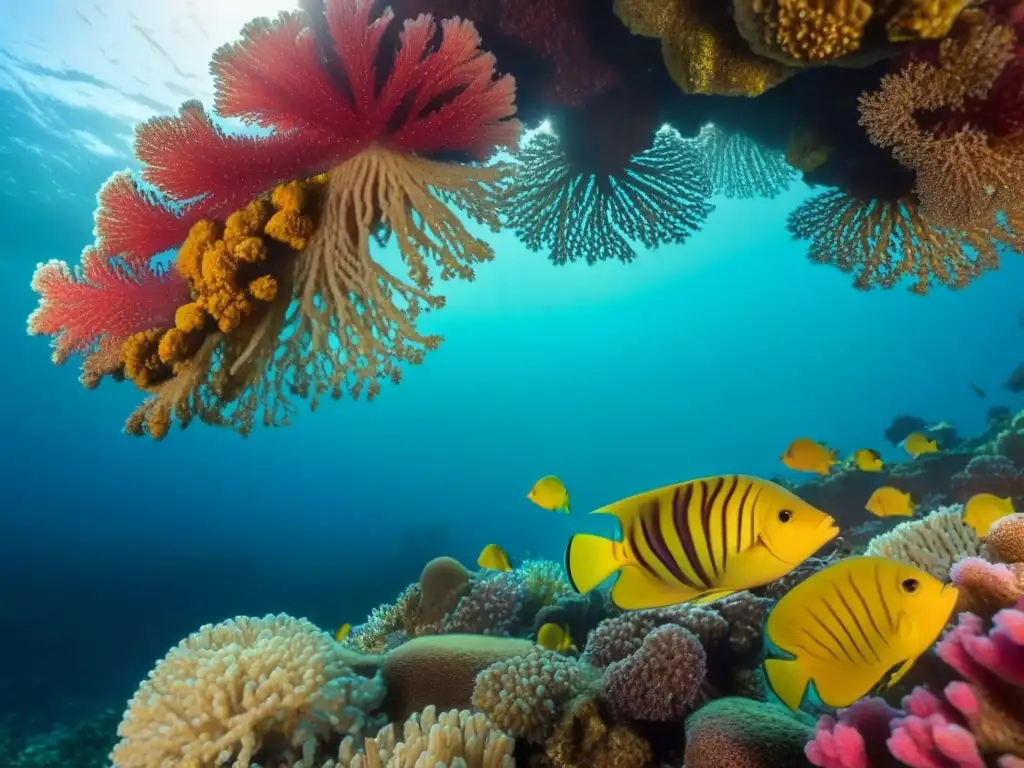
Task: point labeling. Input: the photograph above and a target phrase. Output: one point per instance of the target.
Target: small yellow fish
(549, 493)
(342, 632)
(890, 502)
(494, 558)
(853, 627)
(699, 541)
(806, 455)
(918, 443)
(867, 460)
(983, 509)
(555, 638)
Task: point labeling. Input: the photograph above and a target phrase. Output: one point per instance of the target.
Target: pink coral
(103, 299)
(852, 740)
(987, 587)
(972, 722)
(659, 681)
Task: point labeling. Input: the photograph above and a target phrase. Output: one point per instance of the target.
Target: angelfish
(699, 541)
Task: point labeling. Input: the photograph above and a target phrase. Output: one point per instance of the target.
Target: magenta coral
(974, 720)
(660, 680)
(103, 299)
(847, 741)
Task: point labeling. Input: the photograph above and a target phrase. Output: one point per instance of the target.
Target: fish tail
(590, 559)
(787, 679)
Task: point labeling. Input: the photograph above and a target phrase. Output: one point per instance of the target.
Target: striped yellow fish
(699, 541)
(853, 627)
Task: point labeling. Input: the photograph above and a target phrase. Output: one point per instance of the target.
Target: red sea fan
(101, 300)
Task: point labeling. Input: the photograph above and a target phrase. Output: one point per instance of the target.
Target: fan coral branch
(740, 167)
(885, 241)
(658, 197)
(274, 78)
(101, 301)
(964, 176)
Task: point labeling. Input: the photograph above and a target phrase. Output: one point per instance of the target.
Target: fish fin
(897, 674)
(634, 590)
(787, 680)
(710, 597)
(590, 559)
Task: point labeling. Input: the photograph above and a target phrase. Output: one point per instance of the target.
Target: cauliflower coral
(275, 291)
(229, 690)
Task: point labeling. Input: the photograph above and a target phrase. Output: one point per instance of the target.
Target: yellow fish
(890, 502)
(555, 638)
(549, 493)
(867, 460)
(918, 443)
(983, 509)
(494, 558)
(806, 455)
(342, 632)
(853, 627)
(699, 541)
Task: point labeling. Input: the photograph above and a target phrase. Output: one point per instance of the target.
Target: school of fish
(850, 629)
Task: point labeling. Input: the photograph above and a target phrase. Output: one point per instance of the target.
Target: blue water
(694, 360)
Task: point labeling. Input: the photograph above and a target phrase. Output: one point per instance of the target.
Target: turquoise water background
(693, 360)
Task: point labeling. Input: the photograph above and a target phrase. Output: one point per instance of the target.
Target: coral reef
(284, 297)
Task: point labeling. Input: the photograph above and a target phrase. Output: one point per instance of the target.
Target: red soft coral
(322, 107)
(101, 300)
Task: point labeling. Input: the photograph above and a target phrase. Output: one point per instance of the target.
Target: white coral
(932, 543)
(450, 740)
(222, 692)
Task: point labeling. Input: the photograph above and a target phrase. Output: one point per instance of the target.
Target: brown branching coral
(964, 176)
(806, 32)
(656, 197)
(882, 242)
(587, 736)
(739, 167)
(701, 48)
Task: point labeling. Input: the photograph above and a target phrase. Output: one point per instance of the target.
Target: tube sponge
(227, 689)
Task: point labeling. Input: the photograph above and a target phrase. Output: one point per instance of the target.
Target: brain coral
(228, 689)
(742, 733)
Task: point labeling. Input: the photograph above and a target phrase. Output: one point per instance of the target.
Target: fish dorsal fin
(627, 509)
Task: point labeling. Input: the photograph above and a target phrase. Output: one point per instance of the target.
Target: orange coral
(700, 46)
(965, 176)
(805, 32)
(885, 241)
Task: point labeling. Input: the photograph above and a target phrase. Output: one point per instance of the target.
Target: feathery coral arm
(133, 224)
(186, 156)
(101, 298)
(274, 78)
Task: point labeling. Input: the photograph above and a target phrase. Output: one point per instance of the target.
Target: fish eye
(785, 515)
(910, 585)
